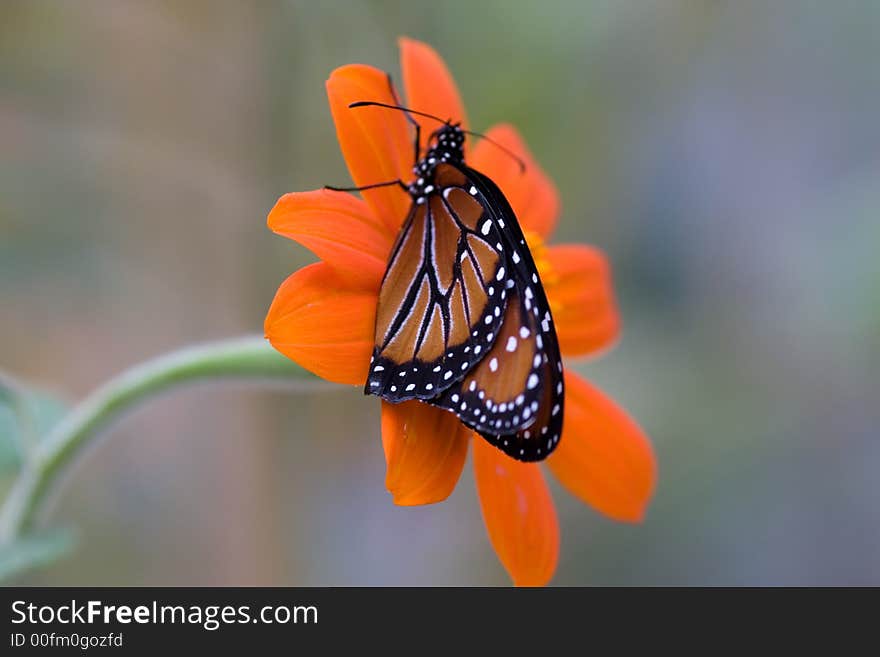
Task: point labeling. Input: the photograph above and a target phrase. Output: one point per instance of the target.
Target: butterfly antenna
(522, 165)
(373, 103)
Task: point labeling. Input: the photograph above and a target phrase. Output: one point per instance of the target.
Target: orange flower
(323, 317)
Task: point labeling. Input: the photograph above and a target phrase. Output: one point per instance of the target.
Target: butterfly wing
(443, 297)
(514, 397)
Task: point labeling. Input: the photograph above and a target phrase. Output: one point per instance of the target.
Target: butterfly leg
(413, 122)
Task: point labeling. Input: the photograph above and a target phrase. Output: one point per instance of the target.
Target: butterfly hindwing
(514, 398)
(443, 297)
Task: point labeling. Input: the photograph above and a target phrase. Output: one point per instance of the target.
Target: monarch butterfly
(462, 320)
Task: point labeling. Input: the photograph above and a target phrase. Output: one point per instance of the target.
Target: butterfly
(462, 321)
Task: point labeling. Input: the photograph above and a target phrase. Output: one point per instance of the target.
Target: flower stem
(26, 436)
(243, 358)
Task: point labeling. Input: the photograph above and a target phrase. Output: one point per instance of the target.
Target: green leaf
(25, 415)
(33, 551)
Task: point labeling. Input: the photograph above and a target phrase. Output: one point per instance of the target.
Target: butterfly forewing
(443, 297)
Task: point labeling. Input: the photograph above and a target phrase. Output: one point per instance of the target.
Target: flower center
(539, 255)
(549, 276)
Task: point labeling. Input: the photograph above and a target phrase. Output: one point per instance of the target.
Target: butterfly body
(462, 321)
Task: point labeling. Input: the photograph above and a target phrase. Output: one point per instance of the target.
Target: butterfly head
(446, 145)
(449, 141)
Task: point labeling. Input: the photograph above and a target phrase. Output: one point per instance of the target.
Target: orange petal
(581, 295)
(519, 514)
(323, 324)
(338, 228)
(531, 194)
(425, 449)
(375, 141)
(603, 458)
(429, 86)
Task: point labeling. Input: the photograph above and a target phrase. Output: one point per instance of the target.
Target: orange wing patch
(444, 243)
(458, 316)
(401, 273)
(465, 206)
(477, 293)
(487, 258)
(402, 347)
(433, 344)
(448, 176)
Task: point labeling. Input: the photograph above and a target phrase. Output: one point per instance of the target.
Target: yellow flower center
(549, 276)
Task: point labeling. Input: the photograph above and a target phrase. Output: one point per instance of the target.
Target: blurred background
(726, 155)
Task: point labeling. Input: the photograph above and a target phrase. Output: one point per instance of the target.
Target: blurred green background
(726, 155)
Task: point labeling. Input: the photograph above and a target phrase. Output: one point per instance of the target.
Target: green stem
(26, 436)
(245, 358)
